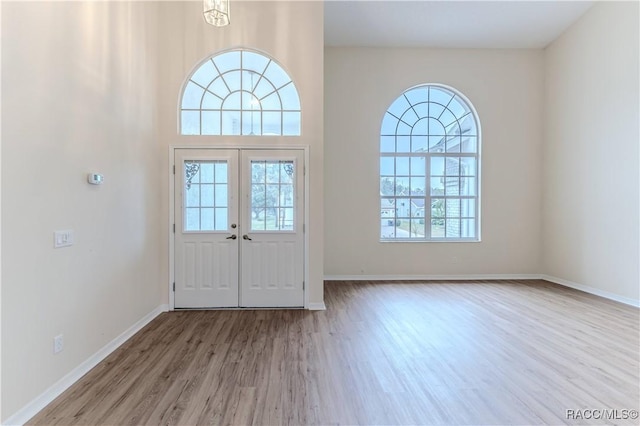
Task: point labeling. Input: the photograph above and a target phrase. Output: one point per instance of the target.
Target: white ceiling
(449, 24)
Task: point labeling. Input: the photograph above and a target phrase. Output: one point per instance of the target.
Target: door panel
(272, 246)
(206, 207)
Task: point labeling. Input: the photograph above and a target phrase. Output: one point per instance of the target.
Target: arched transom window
(429, 167)
(240, 92)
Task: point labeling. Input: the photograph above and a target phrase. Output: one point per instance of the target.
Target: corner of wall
(591, 96)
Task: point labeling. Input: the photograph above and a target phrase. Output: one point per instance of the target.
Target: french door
(239, 228)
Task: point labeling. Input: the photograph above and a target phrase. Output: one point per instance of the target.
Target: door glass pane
(221, 172)
(192, 197)
(206, 173)
(192, 219)
(272, 195)
(205, 198)
(206, 218)
(221, 195)
(221, 218)
(206, 195)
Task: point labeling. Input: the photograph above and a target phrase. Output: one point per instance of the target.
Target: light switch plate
(63, 238)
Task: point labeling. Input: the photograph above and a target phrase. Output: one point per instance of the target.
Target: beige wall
(590, 171)
(102, 95)
(290, 32)
(78, 95)
(505, 86)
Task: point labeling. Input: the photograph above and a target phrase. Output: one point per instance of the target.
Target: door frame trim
(239, 147)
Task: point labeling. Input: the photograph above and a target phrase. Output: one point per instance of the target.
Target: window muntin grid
(206, 195)
(272, 195)
(240, 92)
(429, 167)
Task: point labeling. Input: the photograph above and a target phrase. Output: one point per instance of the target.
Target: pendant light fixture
(216, 12)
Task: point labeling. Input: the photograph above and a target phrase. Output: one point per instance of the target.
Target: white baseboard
(32, 408)
(317, 306)
(431, 277)
(592, 290)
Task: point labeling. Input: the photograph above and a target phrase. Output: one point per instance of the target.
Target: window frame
(241, 91)
(427, 196)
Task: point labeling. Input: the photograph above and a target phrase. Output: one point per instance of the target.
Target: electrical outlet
(58, 344)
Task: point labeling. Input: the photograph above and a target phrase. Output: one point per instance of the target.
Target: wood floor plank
(481, 352)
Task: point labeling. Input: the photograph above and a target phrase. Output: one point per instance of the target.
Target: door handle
(232, 237)
(246, 237)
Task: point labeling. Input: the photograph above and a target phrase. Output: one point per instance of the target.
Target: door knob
(232, 237)
(246, 237)
(234, 226)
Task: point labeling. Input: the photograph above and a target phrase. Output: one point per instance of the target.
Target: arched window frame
(402, 218)
(222, 100)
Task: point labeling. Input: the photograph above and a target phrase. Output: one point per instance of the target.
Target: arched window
(240, 92)
(429, 167)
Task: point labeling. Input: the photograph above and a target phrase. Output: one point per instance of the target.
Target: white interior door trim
(171, 204)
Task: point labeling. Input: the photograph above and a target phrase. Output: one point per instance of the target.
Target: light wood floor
(508, 352)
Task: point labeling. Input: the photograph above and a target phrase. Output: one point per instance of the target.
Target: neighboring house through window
(429, 167)
(240, 92)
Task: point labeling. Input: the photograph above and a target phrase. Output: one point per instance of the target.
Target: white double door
(239, 228)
